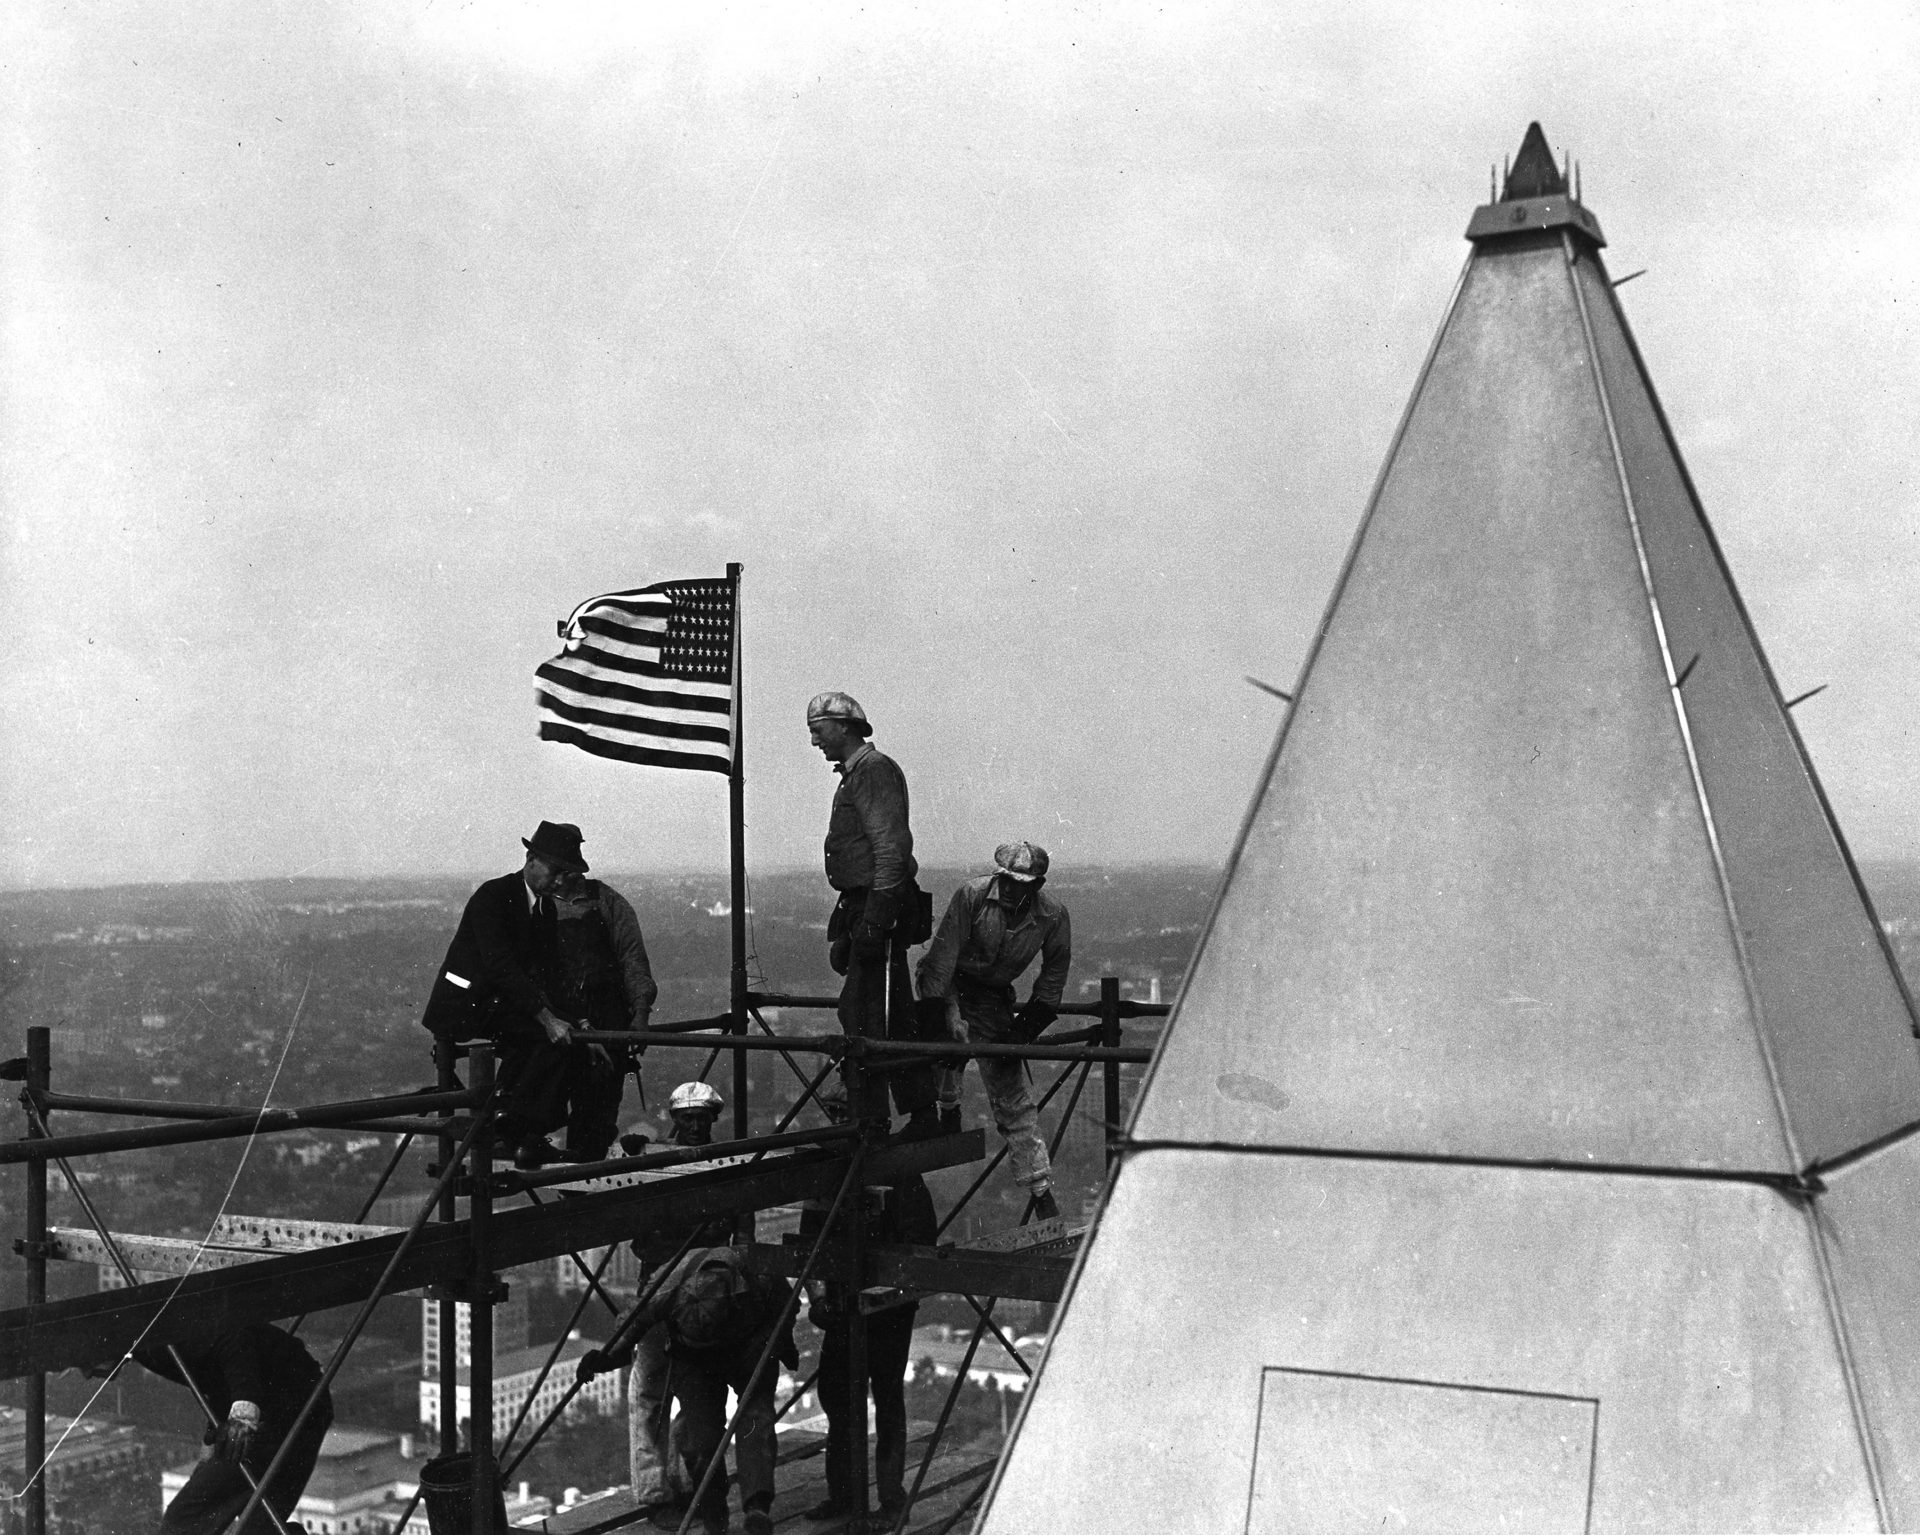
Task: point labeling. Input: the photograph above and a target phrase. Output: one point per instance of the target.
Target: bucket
(446, 1487)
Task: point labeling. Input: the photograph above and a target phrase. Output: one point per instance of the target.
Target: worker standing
(992, 930)
(881, 912)
(899, 1212)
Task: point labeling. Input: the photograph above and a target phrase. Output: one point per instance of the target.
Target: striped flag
(646, 676)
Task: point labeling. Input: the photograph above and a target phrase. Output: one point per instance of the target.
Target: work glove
(930, 1017)
(876, 921)
(840, 955)
(237, 1437)
(554, 1026)
(1035, 1019)
(598, 1361)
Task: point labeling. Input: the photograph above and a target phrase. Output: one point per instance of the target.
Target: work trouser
(655, 1470)
(876, 1002)
(543, 1086)
(987, 1013)
(700, 1381)
(218, 1489)
(889, 1342)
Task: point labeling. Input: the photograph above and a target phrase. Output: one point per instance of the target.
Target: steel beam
(62, 1335)
(935, 1270)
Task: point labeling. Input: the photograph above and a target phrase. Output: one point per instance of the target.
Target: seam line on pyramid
(1849, 1369)
(1804, 758)
(1680, 709)
(1864, 1152)
(1265, 779)
(1794, 1185)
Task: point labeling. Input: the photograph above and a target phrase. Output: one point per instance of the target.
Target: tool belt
(912, 924)
(987, 1002)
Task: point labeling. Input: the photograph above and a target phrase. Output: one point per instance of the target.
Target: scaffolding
(457, 1258)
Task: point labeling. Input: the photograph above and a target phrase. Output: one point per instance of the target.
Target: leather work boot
(950, 1120)
(535, 1152)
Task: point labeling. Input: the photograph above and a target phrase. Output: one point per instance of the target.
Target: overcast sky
(1036, 361)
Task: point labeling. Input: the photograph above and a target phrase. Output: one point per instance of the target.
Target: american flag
(646, 676)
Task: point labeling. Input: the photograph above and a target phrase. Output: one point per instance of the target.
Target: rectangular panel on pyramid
(1689, 1312)
(1533, 1145)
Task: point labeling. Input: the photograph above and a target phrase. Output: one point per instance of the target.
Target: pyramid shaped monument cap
(1539, 868)
(1533, 173)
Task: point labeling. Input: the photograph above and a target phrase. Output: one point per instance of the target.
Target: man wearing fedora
(538, 954)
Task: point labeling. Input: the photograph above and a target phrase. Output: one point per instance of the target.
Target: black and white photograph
(959, 768)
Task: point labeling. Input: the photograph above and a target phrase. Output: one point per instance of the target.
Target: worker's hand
(1035, 1019)
(592, 1363)
(554, 1026)
(840, 955)
(642, 1021)
(876, 921)
(237, 1437)
(602, 1061)
(956, 1025)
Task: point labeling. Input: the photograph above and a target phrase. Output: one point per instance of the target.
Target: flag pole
(737, 860)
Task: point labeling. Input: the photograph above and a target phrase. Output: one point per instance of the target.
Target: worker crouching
(719, 1319)
(993, 929)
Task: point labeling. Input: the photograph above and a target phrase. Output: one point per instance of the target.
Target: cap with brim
(559, 843)
(1021, 861)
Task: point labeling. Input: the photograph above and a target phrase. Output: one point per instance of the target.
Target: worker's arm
(628, 1329)
(486, 944)
(934, 975)
(878, 793)
(1056, 958)
(637, 974)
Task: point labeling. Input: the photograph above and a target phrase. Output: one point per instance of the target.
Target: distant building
(510, 1331)
(622, 1271)
(517, 1375)
(1138, 983)
(939, 1351)
(77, 1452)
(361, 1483)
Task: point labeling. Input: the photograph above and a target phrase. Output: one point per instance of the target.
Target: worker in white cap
(658, 1471)
(881, 911)
(993, 929)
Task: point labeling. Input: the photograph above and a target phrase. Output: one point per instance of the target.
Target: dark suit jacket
(496, 952)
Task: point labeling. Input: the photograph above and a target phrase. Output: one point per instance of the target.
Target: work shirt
(629, 948)
(977, 941)
(869, 844)
(711, 1299)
